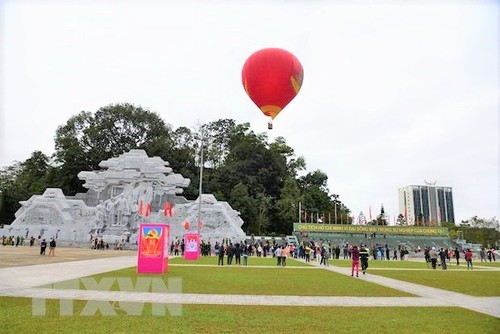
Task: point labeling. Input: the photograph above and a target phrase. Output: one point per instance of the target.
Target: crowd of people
(228, 252)
(442, 257)
(19, 241)
(12, 241)
(320, 252)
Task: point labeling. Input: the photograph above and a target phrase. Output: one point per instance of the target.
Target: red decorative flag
(140, 208)
(167, 209)
(200, 225)
(148, 209)
(186, 225)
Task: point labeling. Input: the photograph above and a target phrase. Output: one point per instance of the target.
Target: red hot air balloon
(272, 78)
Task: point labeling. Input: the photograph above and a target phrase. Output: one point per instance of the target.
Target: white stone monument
(129, 189)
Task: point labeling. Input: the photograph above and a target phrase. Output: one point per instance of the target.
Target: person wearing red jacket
(468, 258)
(355, 260)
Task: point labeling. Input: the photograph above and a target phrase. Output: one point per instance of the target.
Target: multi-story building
(429, 204)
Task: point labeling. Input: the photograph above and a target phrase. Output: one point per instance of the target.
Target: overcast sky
(394, 92)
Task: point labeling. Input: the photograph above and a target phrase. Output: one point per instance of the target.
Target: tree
(218, 135)
(480, 230)
(263, 202)
(10, 196)
(401, 220)
(315, 195)
(257, 177)
(492, 223)
(22, 180)
(286, 205)
(86, 140)
(293, 164)
(183, 159)
(420, 219)
(361, 218)
(315, 179)
(247, 206)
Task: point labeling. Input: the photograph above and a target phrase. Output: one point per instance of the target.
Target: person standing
(443, 254)
(277, 254)
(284, 255)
(245, 250)
(52, 247)
(457, 255)
(43, 246)
(230, 254)
(307, 253)
(354, 252)
(493, 252)
(325, 256)
(221, 255)
(237, 253)
(434, 257)
(482, 254)
(259, 250)
(468, 258)
(364, 255)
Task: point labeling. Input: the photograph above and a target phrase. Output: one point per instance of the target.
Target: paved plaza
(23, 271)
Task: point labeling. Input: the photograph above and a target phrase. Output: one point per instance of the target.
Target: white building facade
(429, 204)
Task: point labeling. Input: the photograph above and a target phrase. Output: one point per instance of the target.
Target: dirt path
(26, 256)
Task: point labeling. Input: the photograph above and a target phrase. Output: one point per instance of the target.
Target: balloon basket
(270, 125)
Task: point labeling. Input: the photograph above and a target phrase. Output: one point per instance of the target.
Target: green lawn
(393, 264)
(16, 317)
(495, 264)
(474, 283)
(252, 261)
(301, 281)
(262, 277)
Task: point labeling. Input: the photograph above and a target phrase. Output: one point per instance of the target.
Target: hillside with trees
(262, 179)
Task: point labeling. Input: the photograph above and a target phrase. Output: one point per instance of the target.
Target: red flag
(186, 225)
(140, 208)
(167, 209)
(200, 225)
(148, 209)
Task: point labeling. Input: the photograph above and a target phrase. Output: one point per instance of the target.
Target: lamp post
(335, 196)
(201, 181)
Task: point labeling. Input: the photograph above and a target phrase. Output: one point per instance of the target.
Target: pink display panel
(153, 248)
(192, 246)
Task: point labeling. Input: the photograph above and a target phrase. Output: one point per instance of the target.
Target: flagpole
(300, 211)
(335, 196)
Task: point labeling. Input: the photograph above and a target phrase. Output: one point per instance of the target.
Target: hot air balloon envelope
(272, 78)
